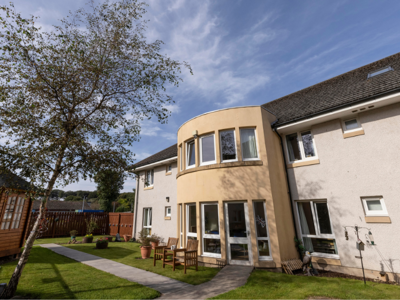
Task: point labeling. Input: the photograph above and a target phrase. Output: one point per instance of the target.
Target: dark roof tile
(159, 156)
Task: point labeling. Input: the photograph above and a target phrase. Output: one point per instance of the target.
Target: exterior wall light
(195, 134)
(167, 199)
(371, 238)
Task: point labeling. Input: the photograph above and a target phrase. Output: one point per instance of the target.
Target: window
(191, 226)
(147, 220)
(169, 168)
(300, 146)
(228, 145)
(260, 218)
(351, 125)
(13, 213)
(374, 206)
(168, 211)
(210, 227)
(316, 228)
(180, 225)
(190, 155)
(249, 144)
(180, 158)
(149, 181)
(378, 72)
(207, 150)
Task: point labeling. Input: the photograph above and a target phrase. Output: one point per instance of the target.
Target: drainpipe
(136, 206)
(288, 183)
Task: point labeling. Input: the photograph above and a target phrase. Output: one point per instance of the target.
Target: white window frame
(190, 234)
(220, 146)
(201, 151)
(147, 184)
(168, 168)
(372, 213)
(255, 135)
(262, 238)
(209, 236)
(302, 153)
(180, 158)
(318, 234)
(147, 210)
(351, 130)
(180, 225)
(187, 154)
(166, 211)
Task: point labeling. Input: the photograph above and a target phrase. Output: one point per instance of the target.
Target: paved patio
(229, 278)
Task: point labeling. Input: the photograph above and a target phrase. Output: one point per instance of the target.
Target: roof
(341, 91)
(10, 180)
(61, 205)
(159, 156)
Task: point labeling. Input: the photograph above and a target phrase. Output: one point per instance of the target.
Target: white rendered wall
(365, 165)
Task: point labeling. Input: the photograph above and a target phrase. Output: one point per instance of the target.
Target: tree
(126, 201)
(109, 184)
(92, 195)
(72, 99)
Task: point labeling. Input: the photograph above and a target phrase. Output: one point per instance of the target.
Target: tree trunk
(12, 285)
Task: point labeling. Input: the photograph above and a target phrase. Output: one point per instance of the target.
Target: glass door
(238, 233)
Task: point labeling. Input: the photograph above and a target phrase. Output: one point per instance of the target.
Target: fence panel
(121, 223)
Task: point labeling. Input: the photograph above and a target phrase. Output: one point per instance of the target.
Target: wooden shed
(14, 213)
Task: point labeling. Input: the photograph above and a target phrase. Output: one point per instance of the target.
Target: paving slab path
(229, 278)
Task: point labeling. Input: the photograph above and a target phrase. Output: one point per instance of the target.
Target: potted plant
(102, 243)
(110, 238)
(145, 247)
(127, 237)
(73, 234)
(154, 240)
(88, 238)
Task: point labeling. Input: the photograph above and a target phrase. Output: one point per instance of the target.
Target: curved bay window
(210, 227)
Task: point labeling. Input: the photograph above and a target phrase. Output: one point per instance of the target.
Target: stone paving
(229, 278)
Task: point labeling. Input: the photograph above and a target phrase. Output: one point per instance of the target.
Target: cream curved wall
(263, 179)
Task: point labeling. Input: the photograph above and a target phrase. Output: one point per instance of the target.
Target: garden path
(229, 278)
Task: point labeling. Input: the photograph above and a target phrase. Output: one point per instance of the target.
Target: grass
(127, 253)
(267, 285)
(48, 275)
(62, 240)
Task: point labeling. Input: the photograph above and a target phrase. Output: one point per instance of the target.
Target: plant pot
(154, 244)
(127, 237)
(146, 251)
(73, 237)
(87, 240)
(101, 245)
(110, 238)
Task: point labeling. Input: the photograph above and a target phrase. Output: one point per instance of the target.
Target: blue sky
(249, 52)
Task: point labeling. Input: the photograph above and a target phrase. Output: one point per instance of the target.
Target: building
(14, 213)
(312, 164)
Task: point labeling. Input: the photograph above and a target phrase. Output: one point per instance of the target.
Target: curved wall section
(227, 194)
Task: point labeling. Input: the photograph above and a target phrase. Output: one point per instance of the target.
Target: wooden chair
(190, 255)
(159, 250)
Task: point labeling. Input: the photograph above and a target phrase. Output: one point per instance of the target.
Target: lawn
(267, 285)
(127, 253)
(61, 240)
(48, 275)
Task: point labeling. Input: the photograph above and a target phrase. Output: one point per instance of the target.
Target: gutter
(136, 207)
(288, 183)
(157, 163)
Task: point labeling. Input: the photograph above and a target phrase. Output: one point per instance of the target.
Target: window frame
(17, 210)
(149, 217)
(181, 224)
(187, 154)
(262, 238)
(190, 234)
(318, 234)
(374, 213)
(209, 236)
(220, 146)
(241, 148)
(302, 152)
(201, 150)
(350, 119)
(146, 184)
(166, 211)
(180, 158)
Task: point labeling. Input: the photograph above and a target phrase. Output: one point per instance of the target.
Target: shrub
(73, 232)
(143, 239)
(102, 241)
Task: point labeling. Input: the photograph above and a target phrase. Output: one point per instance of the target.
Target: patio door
(238, 233)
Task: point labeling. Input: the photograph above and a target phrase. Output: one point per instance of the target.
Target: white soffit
(347, 112)
(156, 164)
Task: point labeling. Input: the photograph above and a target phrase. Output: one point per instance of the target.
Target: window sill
(321, 261)
(260, 258)
(325, 255)
(303, 163)
(377, 219)
(353, 133)
(167, 218)
(149, 188)
(211, 255)
(168, 173)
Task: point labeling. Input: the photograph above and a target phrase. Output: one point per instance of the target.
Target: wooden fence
(60, 224)
(121, 223)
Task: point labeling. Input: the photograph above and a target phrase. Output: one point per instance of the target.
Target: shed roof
(10, 180)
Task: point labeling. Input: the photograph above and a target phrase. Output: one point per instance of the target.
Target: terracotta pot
(127, 237)
(146, 251)
(154, 244)
(101, 245)
(87, 240)
(110, 238)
